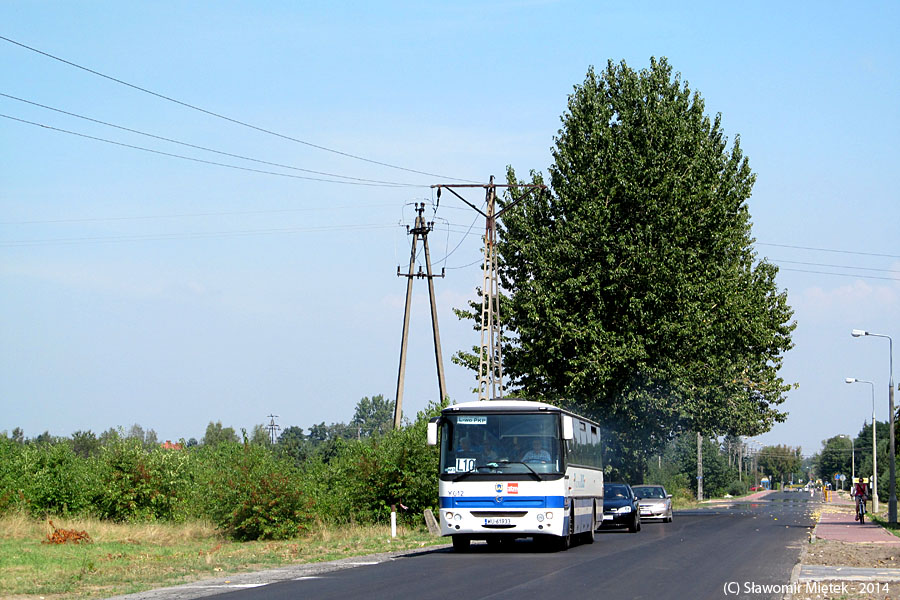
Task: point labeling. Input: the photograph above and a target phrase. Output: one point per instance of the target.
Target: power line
(827, 250)
(475, 262)
(461, 240)
(205, 149)
(223, 117)
(198, 160)
(153, 237)
(183, 215)
(841, 274)
(795, 262)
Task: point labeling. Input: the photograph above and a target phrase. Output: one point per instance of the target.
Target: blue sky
(137, 287)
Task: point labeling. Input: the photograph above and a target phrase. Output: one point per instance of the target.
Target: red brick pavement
(842, 526)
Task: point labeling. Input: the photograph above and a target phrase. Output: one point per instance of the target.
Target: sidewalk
(841, 525)
(837, 522)
(755, 495)
(750, 497)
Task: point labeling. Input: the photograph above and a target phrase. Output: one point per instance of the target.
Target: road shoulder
(221, 585)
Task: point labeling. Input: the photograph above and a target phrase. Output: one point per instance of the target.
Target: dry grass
(125, 558)
(21, 527)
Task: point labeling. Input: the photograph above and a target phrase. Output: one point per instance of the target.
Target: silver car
(654, 502)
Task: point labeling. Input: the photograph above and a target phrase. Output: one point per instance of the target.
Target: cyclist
(860, 493)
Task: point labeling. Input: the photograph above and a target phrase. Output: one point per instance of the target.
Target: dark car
(620, 507)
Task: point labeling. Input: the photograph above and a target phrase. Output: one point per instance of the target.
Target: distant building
(168, 445)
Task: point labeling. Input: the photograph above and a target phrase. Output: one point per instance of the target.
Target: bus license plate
(497, 521)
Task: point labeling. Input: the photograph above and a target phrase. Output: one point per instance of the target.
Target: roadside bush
(52, 480)
(9, 474)
(252, 495)
(738, 488)
(249, 491)
(136, 484)
(362, 482)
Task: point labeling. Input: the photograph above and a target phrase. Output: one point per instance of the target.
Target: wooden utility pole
(420, 230)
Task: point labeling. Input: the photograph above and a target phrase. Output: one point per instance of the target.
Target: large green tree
(780, 462)
(217, 434)
(632, 288)
(835, 458)
(373, 416)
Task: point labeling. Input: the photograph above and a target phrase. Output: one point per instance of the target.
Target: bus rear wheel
(588, 536)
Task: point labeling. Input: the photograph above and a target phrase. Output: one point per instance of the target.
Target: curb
(795, 572)
(239, 581)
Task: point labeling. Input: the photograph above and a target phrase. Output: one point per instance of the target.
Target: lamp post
(892, 499)
(852, 460)
(874, 447)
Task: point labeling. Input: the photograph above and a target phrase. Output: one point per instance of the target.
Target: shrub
(140, 485)
(9, 474)
(253, 495)
(368, 476)
(738, 488)
(52, 479)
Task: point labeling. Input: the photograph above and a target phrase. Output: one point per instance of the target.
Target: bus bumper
(480, 524)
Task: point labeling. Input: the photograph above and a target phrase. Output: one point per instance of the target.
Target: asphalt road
(706, 553)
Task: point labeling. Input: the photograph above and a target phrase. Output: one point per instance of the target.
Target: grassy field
(125, 558)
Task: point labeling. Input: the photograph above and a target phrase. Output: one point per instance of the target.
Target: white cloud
(856, 297)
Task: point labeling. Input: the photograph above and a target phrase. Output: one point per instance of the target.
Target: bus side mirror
(433, 432)
(568, 428)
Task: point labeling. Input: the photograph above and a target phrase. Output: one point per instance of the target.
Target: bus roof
(504, 404)
(509, 405)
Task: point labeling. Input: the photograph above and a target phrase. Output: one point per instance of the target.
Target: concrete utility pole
(699, 467)
(490, 360)
(420, 230)
(756, 468)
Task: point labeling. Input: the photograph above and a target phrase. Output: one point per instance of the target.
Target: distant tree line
(729, 467)
(837, 457)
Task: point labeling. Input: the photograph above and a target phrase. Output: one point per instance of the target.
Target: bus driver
(536, 454)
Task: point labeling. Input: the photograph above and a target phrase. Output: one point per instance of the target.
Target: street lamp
(852, 461)
(892, 499)
(874, 450)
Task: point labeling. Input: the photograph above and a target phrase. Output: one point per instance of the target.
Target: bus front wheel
(564, 542)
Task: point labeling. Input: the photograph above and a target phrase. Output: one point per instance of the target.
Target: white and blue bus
(515, 468)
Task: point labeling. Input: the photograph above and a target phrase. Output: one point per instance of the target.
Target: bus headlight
(448, 515)
(457, 517)
(549, 515)
(540, 518)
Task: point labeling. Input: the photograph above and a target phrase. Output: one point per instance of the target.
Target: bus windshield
(511, 444)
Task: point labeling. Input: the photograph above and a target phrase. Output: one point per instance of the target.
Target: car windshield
(649, 492)
(614, 492)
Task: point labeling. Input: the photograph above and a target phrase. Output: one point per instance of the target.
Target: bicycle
(861, 509)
